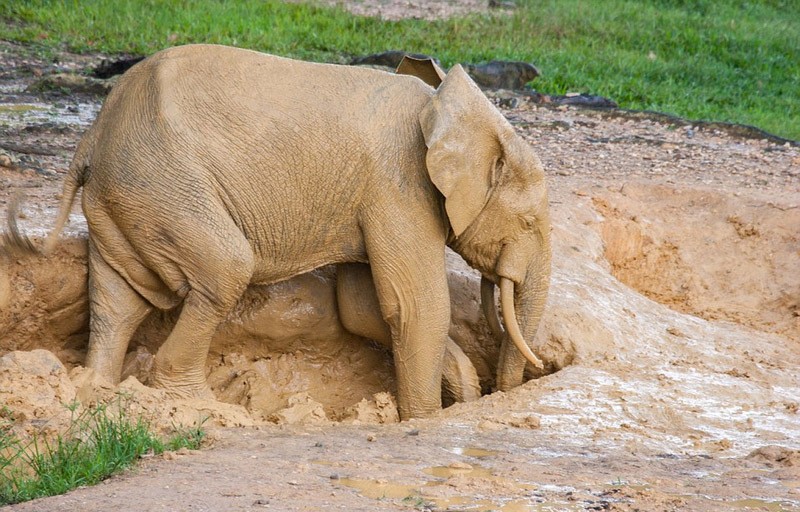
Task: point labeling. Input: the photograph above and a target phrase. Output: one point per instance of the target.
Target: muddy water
(78, 114)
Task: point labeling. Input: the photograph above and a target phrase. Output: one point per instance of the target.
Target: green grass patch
(720, 60)
(100, 442)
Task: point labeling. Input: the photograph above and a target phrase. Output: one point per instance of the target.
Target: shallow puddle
(415, 494)
(471, 451)
(426, 492)
(449, 471)
(380, 489)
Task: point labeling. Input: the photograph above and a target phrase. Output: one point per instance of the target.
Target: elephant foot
(91, 386)
(182, 387)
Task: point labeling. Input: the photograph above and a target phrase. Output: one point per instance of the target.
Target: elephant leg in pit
(116, 310)
(179, 365)
(414, 302)
(218, 272)
(360, 314)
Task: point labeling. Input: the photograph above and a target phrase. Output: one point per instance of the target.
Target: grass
(100, 442)
(719, 60)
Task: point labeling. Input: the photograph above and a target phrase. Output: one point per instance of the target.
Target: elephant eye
(528, 222)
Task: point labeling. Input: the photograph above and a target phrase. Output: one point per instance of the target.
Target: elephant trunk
(522, 302)
(490, 310)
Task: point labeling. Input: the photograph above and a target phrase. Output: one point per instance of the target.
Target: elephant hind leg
(218, 274)
(116, 310)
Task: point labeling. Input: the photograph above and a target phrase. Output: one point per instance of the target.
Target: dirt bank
(672, 342)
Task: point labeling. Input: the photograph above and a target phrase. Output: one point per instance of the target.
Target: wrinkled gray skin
(210, 168)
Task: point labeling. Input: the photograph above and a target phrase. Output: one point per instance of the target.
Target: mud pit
(672, 319)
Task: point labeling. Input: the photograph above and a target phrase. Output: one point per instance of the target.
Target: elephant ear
(463, 133)
(425, 69)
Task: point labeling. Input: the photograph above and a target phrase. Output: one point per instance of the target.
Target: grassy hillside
(721, 60)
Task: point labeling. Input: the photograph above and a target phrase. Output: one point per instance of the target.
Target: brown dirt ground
(674, 319)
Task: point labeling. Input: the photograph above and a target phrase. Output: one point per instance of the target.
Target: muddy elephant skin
(210, 168)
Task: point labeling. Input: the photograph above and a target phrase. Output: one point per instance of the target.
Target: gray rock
(500, 74)
(71, 84)
(108, 68)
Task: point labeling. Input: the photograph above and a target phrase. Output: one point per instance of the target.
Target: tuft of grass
(417, 502)
(99, 442)
(719, 60)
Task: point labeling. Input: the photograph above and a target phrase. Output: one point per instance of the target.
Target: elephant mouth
(509, 316)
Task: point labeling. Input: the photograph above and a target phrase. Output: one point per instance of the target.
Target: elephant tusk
(490, 310)
(510, 318)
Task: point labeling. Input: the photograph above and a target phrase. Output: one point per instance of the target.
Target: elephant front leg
(416, 306)
(360, 314)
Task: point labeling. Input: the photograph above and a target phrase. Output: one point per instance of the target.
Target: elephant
(210, 168)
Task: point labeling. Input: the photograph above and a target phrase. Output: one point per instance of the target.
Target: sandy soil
(672, 342)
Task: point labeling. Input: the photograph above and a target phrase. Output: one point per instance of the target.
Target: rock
(108, 68)
(499, 74)
(71, 84)
(6, 161)
(585, 100)
(38, 362)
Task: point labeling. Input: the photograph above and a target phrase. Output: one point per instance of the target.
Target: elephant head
(495, 198)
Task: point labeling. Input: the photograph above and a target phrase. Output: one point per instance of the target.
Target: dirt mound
(281, 341)
(643, 374)
(728, 257)
(283, 356)
(34, 389)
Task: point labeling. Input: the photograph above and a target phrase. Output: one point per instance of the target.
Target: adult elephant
(209, 168)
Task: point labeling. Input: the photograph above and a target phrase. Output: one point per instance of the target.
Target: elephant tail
(15, 242)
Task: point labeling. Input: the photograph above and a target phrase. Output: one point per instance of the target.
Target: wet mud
(671, 344)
